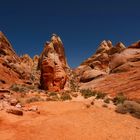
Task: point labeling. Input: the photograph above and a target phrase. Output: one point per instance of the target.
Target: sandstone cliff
(112, 70)
(15, 69)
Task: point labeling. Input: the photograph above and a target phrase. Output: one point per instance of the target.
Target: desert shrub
(31, 87)
(72, 85)
(52, 98)
(87, 93)
(131, 107)
(100, 95)
(107, 100)
(33, 99)
(74, 95)
(119, 99)
(18, 88)
(23, 88)
(55, 98)
(65, 96)
(52, 94)
(74, 81)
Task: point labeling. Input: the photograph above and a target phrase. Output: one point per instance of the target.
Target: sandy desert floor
(69, 121)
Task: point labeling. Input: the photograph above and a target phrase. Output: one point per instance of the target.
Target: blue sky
(81, 24)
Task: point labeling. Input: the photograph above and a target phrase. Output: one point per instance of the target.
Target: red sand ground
(69, 121)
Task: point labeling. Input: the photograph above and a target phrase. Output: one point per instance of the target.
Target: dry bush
(119, 99)
(107, 100)
(18, 88)
(87, 93)
(65, 96)
(100, 95)
(131, 107)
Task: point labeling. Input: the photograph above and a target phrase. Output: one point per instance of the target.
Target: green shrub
(100, 95)
(23, 88)
(33, 99)
(107, 100)
(119, 99)
(65, 96)
(73, 85)
(87, 93)
(52, 94)
(18, 88)
(55, 98)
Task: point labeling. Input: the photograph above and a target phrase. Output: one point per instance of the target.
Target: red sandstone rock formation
(6, 50)
(53, 65)
(135, 45)
(15, 69)
(7, 57)
(113, 70)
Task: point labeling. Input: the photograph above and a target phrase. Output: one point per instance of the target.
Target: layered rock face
(15, 69)
(113, 69)
(6, 50)
(53, 65)
(99, 63)
(50, 70)
(7, 57)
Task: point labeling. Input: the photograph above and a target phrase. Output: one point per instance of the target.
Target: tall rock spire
(53, 65)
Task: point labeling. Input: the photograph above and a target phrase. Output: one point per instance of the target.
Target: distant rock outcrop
(112, 69)
(135, 45)
(15, 69)
(6, 50)
(98, 62)
(53, 65)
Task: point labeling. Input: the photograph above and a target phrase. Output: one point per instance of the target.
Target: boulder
(116, 61)
(15, 111)
(33, 108)
(14, 102)
(1, 96)
(124, 58)
(81, 69)
(90, 75)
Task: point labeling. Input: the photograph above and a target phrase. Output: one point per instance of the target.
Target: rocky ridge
(112, 69)
(15, 69)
